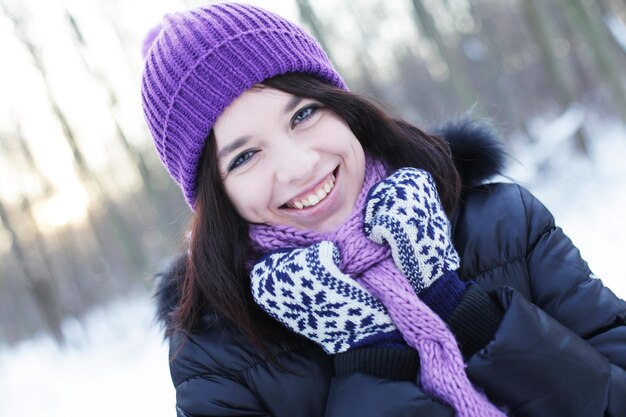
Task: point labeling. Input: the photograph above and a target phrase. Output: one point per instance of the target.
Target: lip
(322, 204)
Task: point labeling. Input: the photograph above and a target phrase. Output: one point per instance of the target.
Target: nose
(295, 162)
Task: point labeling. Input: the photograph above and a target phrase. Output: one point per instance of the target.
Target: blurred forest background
(87, 213)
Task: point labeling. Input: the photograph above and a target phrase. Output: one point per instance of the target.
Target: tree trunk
(125, 243)
(147, 211)
(602, 48)
(461, 83)
(308, 16)
(544, 34)
(42, 289)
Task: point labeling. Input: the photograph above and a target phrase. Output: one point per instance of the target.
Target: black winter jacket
(558, 348)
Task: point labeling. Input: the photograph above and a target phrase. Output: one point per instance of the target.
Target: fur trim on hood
(478, 156)
(476, 149)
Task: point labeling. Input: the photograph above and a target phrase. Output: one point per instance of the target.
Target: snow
(115, 363)
(617, 27)
(586, 195)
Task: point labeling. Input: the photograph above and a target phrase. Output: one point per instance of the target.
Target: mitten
(404, 211)
(305, 290)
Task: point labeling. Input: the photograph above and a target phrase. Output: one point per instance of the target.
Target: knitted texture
(305, 290)
(404, 211)
(199, 61)
(442, 372)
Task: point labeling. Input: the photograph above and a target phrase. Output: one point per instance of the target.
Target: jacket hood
(476, 149)
(478, 155)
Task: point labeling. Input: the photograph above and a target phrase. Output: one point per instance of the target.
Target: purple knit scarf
(442, 372)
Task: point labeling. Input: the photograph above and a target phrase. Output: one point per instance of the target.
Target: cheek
(356, 160)
(359, 154)
(247, 198)
(356, 154)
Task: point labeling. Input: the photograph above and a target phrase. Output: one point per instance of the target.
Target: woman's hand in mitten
(404, 211)
(305, 290)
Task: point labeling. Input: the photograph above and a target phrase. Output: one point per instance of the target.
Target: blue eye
(304, 113)
(241, 159)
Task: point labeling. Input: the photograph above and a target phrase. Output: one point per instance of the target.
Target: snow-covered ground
(116, 365)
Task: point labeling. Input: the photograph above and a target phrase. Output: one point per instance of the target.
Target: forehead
(258, 99)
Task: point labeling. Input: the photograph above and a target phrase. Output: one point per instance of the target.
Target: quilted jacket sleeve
(537, 367)
(561, 345)
(563, 286)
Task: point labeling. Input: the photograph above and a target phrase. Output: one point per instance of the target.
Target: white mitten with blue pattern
(404, 211)
(305, 290)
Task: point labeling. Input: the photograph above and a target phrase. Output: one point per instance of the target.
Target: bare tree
(154, 199)
(309, 17)
(461, 83)
(586, 20)
(126, 246)
(545, 33)
(42, 288)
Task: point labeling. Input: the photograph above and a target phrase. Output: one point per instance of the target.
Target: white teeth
(315, 197)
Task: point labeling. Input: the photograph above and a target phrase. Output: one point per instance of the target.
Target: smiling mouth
(315, 196)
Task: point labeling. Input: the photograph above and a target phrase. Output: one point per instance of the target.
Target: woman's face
(287, 160)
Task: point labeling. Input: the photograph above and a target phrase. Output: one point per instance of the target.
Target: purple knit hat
(201, 60)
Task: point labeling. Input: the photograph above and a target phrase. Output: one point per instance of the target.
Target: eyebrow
(232, 146)
(292, 103)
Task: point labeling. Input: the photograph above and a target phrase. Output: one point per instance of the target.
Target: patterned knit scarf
(442, 372)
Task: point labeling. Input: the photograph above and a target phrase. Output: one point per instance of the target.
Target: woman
(343, 262)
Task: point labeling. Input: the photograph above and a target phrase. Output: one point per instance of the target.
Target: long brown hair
(216, 278)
